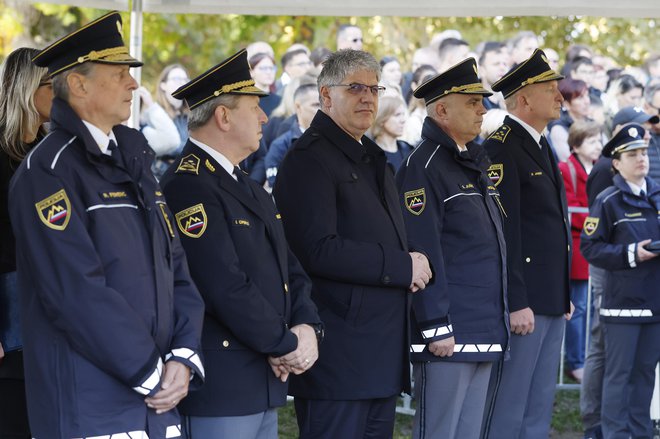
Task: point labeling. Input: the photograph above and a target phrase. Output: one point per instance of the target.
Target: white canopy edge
(419, 8)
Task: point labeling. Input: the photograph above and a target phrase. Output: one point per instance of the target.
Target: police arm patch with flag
(415, 201)
(590, 225)
(496, 173)
(192, 221)
(55, 211)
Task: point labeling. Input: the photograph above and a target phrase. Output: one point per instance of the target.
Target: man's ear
(326, 100)
(77, 84)
(222, 117)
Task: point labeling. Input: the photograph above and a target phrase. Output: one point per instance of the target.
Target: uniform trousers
(359, 419)
(632, 352)
(450, 399)
(594, 366)
(257, 426)
(522, 390)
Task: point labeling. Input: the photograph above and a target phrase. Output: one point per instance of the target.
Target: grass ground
(565, 420)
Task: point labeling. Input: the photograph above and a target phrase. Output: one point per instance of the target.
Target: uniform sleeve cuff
(438, 332)
(632, 251)
(190, 358)
(152, 383)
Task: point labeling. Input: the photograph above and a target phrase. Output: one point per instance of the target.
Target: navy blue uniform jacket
(106, 293)
(617, 221)
(253, 286)
(342, 218)
(453, 214)
(536, 228)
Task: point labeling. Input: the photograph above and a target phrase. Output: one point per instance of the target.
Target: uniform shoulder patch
(496, 173)
(192, 221)
(415, 201)
(500, 134)
(190, 164)
(590, 225)
(55, 210)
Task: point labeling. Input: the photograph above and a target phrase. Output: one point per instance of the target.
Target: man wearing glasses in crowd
(342, 219)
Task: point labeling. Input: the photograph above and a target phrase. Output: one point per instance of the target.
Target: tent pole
(135, 48)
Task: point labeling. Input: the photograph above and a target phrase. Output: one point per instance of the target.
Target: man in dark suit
(342, 218)
(260, 323)
(537, 234)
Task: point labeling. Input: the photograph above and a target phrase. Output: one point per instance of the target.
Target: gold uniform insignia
(500, 134)
(55, 211)
(192, 221)
(209, 166)
(415, 201)
(496, 173)
(189, 163)
(590, 225)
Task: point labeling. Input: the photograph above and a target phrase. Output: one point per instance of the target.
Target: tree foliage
(199, 41)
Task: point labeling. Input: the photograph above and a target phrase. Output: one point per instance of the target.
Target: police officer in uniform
(342, 218)
(111, 318)
(453, 214)
(260, 323)
(538, 238)
(623, 220)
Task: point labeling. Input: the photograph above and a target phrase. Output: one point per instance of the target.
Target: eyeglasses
(358, 89)
(302, 64)
(356, 40)
(267, 68)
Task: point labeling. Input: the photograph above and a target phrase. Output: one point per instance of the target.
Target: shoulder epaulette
(306, 140)
(188, 164)
(500, 134)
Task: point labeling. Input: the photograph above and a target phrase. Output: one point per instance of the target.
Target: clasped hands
(301, 359)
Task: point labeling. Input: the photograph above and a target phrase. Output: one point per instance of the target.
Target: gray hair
(200, 115)
(60, 84)
(345, 62)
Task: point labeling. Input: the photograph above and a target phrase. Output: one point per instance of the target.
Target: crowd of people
(312, 233)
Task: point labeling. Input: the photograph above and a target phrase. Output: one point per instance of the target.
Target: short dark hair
(288, 56)
(579, 61)
(490, 46)
(580, 130)
(572, 88)
(450, 43)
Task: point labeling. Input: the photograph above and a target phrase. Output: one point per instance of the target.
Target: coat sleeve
(573, 196)
(160, 130)
(424, 230)
(509, 187)
(303, 309)
(230, 296)
(188, 317)
(96, 320)
(596, 240)
(307, 197)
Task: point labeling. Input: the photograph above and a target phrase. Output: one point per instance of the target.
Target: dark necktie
(116, 153)
(241, 179)
(545, 152)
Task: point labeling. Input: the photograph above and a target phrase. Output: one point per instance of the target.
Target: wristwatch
(319, 331)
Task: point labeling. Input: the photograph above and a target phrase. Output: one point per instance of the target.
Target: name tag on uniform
(466, 186)
(633, 215)
(113, 195)
(242, 222)
(536, 174)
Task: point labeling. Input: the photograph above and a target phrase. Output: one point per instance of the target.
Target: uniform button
(225, 343)
(354, 176)
(569, 248)
(286, 288)
(528, 259)
(386, 279)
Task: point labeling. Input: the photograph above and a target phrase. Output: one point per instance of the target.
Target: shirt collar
(532, 132)
(637, 189)
(101, 139)
(215, 155)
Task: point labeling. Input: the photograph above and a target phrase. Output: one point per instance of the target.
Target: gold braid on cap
(235, 86)
(96, 55)
(465, 88)
(539, 78)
